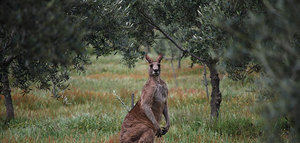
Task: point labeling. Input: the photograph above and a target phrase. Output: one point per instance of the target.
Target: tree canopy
(39, 44)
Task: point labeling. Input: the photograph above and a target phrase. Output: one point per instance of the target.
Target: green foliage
(194, 24)
(39, 42)
(271, 37)
(114, 27)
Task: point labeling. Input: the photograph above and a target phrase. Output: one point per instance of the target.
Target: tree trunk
(205, 83)
(216, 97)
(174, 73)
(192, 64)
(179, 63)
(179, 60)
(7, 94)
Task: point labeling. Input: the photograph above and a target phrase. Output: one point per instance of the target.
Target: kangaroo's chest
(160, 95)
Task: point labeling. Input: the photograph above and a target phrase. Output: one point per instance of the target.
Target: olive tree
(271, 37)
(39, 44)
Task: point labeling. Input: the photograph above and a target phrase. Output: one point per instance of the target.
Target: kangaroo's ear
(149, 60)
(159, 58)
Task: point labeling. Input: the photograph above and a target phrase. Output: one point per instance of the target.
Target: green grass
(95, 115)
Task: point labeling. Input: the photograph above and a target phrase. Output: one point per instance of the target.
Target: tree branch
(151, 22)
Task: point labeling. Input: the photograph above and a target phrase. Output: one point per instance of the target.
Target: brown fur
(141, 124)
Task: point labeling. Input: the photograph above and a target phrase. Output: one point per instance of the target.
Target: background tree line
(41, 41)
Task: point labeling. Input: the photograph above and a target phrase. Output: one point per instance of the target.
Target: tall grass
(95, 115)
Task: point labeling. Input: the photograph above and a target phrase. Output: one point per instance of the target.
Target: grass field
(95, 115)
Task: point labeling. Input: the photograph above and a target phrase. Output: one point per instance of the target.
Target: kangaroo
(141, 124)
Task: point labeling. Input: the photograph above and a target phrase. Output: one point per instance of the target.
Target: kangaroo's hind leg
(147, 137)
(133, 133)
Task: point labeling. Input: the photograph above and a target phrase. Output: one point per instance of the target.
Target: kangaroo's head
(154, 66)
